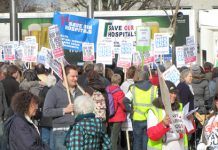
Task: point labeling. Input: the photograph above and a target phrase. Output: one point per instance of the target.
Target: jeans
(47, 136)
(115, 134)
(59, 138)
(140, 138)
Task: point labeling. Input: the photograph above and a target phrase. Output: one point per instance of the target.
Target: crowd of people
(38, 111)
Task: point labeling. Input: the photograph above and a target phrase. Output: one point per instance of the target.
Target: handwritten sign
(127, 125)
(172, 74)
(177, 120)
(88, 51)
(55, 41)
(161, 43)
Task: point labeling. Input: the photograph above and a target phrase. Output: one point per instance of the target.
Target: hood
(143, 85)
(197, 80)
(89, 123)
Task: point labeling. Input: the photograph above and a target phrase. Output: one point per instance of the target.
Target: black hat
(171, 87)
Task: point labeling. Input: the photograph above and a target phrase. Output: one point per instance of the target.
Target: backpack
(100, 105)
(6, 129)
(111, 107)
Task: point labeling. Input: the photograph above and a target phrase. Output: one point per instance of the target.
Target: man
(140, 96)
(57, 106)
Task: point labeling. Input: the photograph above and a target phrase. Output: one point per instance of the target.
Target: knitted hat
(196, 69)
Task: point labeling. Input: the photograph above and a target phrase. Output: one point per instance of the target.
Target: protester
(10, 84)
(200, 89)
(57, 106)
(120, 115)
(87, 132)
(208, 67)
(23, 133)
(99, 68)
(162, 133)
(185, 90)
(209, 136)
(82, 79)
(140, 97)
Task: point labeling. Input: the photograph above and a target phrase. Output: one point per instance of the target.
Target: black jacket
(24, 136)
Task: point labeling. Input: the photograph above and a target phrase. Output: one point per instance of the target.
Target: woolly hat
(196, 69)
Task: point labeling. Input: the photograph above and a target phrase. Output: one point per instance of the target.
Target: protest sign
(127, 125)
(180, 60)
(143, 38)
(75, 29)
(30, 40)
(149, 55)
(9, 50)
(30, 52)
(172, 74)
(88, 51)
(190, 40)
(42, 55)
(161, 43)
(177, 121)
(136, 58)
(1, 54)
(55, 42)
(124, 63)
(190, 53)
(19, 52)
(104, 53)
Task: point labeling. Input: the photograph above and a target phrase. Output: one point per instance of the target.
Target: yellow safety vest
(157, 145)
(142, 101)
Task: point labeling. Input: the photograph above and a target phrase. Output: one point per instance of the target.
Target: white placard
(104, 53)
(161, 43)
(143, 36)
(180, 59)
(88, 51)
(172, 74)
(190, 40)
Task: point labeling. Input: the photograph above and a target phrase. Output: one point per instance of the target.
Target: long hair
(159, 104)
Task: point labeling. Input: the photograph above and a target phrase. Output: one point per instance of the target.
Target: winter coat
(11, 86)
(32, 86)
(3, 103)
(201, 92)
(87, 134)
(185, 95)
(120, 114)
(24, 136)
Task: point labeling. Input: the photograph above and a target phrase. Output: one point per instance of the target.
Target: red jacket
(120, 114)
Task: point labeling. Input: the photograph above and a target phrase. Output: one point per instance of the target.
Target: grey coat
(55, 101)
(201, 92)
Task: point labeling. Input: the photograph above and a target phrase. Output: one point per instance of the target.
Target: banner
(118, 31)
(75, 29)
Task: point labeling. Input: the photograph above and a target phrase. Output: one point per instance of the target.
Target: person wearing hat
(209, 136)
(164, 133)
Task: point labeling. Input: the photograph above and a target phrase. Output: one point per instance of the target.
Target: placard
(88, 51)
(172, 74)
(143, 38)
(161, 43)
(104, 53)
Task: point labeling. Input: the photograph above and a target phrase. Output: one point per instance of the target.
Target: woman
(209, 136)
(23, 133)
(185, 91)
(164, 133)
(87, 132)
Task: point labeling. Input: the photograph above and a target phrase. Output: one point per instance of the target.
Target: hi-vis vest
(142, 101)
(157, 145)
